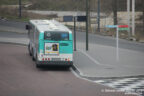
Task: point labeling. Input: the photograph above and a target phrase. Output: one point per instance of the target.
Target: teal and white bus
(51, 43)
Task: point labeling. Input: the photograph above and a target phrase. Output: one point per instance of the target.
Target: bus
(50, 43)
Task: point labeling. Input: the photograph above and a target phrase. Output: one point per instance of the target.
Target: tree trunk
(143, 14)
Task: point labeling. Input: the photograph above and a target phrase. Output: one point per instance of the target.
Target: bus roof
(49, 25)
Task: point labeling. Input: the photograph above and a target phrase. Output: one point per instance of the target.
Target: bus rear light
(45, 58)
(48, 59)
(42, 59)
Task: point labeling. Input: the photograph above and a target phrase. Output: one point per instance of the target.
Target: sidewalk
(100, 61)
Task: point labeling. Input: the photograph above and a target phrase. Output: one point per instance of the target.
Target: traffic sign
(123, 26)
(123, 29)
(81, 18)
(67, 18)
(111, 26)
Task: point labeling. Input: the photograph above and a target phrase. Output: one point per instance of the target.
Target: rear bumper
(55, 63)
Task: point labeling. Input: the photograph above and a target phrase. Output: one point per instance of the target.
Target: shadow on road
(54, 68)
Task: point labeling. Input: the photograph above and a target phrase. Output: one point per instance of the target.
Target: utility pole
(128, 16)
(19, 8)
(133, 17)
(87, 23)
(98, 15)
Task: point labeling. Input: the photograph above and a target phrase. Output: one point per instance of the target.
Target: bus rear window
(56, 36)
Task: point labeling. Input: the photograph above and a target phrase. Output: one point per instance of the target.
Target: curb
(76, 70)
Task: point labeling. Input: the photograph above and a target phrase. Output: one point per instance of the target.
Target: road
(110, 41)
(20, 77)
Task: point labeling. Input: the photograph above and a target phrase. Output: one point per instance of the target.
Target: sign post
(117, 44)
(74, 33)
(77, 19)
(118, 28)
(87, 23)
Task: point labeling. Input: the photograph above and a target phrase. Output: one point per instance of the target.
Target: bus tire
(33, 58)
(30, 53)
(37, 64)
(68, 67)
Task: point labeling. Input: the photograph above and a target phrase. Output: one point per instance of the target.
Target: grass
(12, 2)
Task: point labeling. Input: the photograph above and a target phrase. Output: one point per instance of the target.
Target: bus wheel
(29, 50)
(37, 64)
(33, 58)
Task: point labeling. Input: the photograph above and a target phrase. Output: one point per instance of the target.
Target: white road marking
(132, 86)
(120, 81)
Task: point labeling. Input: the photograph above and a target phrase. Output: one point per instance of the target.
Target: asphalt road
(20, 77)
(14, 24)
(12, 35)
(110, 41)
